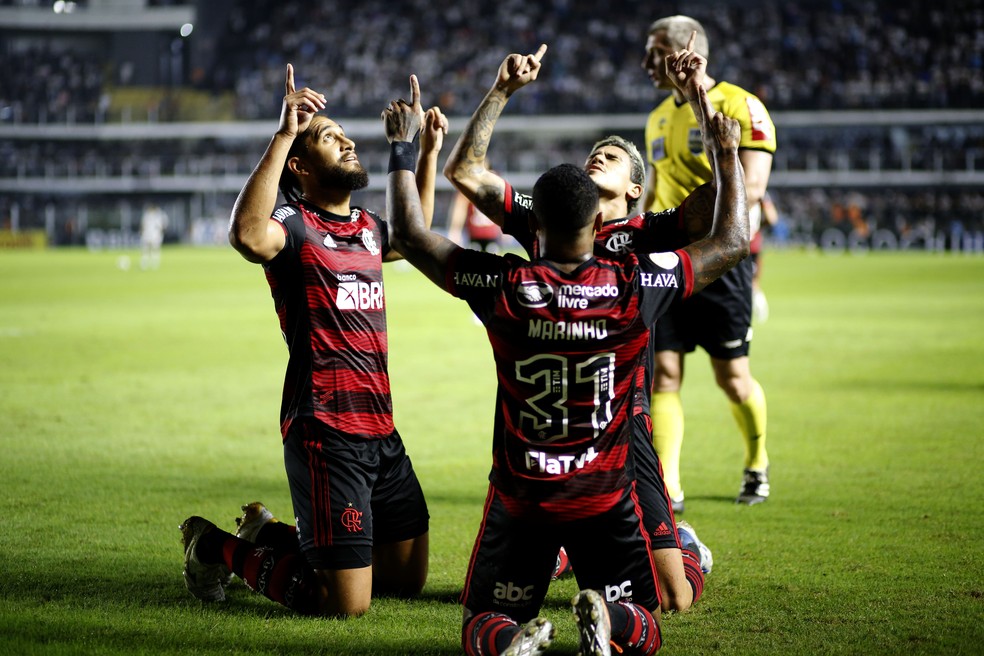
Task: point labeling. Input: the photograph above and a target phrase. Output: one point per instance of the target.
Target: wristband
(403, 156)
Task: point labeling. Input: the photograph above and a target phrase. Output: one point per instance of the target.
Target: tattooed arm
(727, 243)
(719, 206)
(467, 167)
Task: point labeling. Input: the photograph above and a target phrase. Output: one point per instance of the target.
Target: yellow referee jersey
(674, 147)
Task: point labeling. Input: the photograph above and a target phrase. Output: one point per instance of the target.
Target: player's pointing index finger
(705, 105)
(414, 92)
(290, 79)
(693, 40)
(539, 53)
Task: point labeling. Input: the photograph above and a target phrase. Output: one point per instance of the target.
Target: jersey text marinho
(568, 348)
(651, 232)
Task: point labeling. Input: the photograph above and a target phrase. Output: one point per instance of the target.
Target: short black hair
(565, 199)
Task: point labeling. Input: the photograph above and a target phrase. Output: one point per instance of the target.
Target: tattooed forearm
(698, 212)
(711, 260)
(467, 166)
(727, 243)
(478, 132)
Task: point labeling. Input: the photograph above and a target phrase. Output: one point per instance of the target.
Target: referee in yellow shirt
(719, 318)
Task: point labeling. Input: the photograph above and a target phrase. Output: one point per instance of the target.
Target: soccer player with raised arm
(569, 333)
(617, 168)
(362, 521)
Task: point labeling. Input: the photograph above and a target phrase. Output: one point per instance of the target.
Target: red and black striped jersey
(327, 286)
(567, 350)
(650, 232)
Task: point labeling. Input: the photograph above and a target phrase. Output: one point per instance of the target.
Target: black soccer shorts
(654, 500)
(718, 318)
(349, 493)
(514, 557)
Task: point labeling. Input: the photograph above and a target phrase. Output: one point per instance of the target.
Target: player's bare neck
(564, 267)
(613, 209)
(566, 261)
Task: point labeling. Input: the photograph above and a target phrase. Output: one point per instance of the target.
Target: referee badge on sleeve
(658, 146)
(694, 141)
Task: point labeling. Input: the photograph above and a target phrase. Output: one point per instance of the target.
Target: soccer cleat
(690, 542)
(255, 516)
(563, 565)
(203, 581)
(677, 503)
(593, 623)
(754, 487)
(534, 637)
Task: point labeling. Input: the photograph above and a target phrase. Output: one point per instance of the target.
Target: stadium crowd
(827, 55)
(795, 56)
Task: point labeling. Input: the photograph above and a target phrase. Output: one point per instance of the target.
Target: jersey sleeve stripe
(688, 273)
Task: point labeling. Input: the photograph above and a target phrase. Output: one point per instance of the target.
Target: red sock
(280, 575)
(634, 629)
(488, 633)
(693, 572)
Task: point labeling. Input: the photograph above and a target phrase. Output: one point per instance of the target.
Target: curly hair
(565, 199)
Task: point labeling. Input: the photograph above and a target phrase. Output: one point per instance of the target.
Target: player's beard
(338, 176)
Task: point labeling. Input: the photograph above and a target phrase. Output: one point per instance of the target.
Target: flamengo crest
(369, 241)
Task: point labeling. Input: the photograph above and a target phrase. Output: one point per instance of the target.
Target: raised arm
(687, 70)
(432, 132)
(427, 251)
(251, 232)
(727, 243)
(467, 166)
(431, 140)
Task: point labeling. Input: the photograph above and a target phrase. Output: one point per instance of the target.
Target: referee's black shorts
(718, 318)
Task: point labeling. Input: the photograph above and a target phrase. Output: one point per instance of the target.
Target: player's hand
(516, 71)
(687, 69)
(299, 106)
(435, 127)
(403, 120)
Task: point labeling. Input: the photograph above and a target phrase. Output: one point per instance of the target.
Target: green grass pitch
(130, 400)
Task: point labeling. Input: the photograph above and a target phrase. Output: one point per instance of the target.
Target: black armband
(403, 156)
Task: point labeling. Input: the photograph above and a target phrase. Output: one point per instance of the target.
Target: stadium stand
(874, 102)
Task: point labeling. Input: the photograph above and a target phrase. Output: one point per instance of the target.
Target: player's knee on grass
(400, 569)
(677, 593)
(344, 593)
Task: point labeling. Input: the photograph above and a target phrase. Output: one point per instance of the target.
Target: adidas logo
(662, 529)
